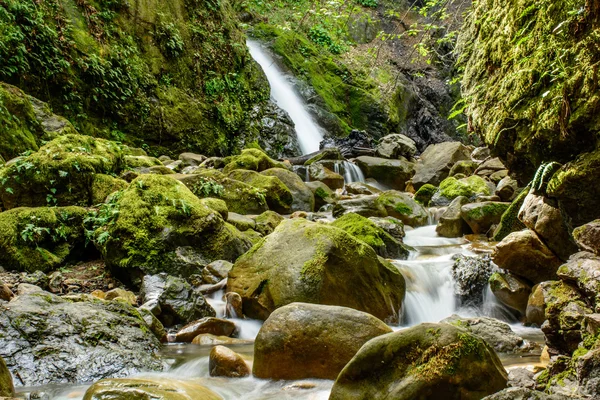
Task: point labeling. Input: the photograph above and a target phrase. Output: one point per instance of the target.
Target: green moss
(363, 229)
(277, 196)
(488, 209)
(402, 208)
(470, 187)
(104, 185)
(425, 193)
(321, 193)
(252, 159)
(510, 222)
(141, 161)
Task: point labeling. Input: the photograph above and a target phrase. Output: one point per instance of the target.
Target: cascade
(350, 171)
(283, 93)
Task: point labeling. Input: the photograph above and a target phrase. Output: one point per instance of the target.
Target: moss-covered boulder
(7, 388)
(509, 222)
(318, 172)
(465, 167)
(367, 206)
(510, 290)
(323, 194)
(252, 159)
(41, 239)
(303, 198)
(240, 197)
(267, 222)
(367, 231)
(161, 226)
(428, 361)
(301, 340)
(424, 194)
(331, 153)
(156, 388)
(583, 270)
(304, 261)
(451, 188)
(451, 223)
(436, 162)
(391, 173)
(277, 195)
(482, 216)
(104, 185)
(83, 338)
(588, 236)
(60, 173)
(404, 207)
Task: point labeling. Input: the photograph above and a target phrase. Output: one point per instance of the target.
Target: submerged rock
(225, 362)
(428, 362)
(48, 339)
(302, 261)
(157, 388)
(303, 340)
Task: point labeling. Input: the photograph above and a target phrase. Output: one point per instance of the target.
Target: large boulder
(588, 236)
(367, 231)
(303, 198)
(7, 388)
(48, 339)
(396, 146)
(510, 290)
(318, 172)
(161, 226)
(583, 270)
(302, 261)
(323, 194)
(403, 206)
(301, 340)
(41, 239)
(428, 361)
(471, 274)
(277, 195)
(543, 216)
(436, 162)
(525, 255)
(510, 222)
(507, 189)
(482, 216)
(252, 159)
(155, 388)
(451, 224)
(173, 300)
(392, 173)
(451, 188)
(367, 206)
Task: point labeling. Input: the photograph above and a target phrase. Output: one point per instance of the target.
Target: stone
(583, 270)
(495, 333)
(480, 153)
(436, 161)
(301, 260)
(172, 300)
(241, 222)
(155, 388)
(391, 225)
(471, 274)
(330, 154)
(318, 172)
(233, 305)
(367, 231)
(303, 197)
(323, 194)
(522, 378)
(395, 146)
(392, 173)
(7, 388)
(482, 216)
(524, 254)
(510, 290)
(191, 159)
(26, 288)
(507, 189)
(425, 194)
(277, 195)
(216, 271)
(267, 222)
(543, 216)
(452, 187)
(360, 188)
(214, 326)
(588, 236)
(465, 167)
(587, 369)
(121, 294)
(490, 166)
(252, 160)
(301, 340)
(428, 361)
(363, 28)
(154, 324)
(451, 224)
(514, 393)
(367, 206)
(510, 222)
(49, 339)
(225, 362)
(206, 339)
(404, 207)
(5, 293)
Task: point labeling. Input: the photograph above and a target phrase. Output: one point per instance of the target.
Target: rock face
(428, 361)
(392, 173)
(225, 362)
(301, 340)
(172, 300)
(7, 389)
(588, 236)
(542, 215)
(482, 216)
(451, 224)
(510, 290)
(436, 162)
(366, 230)
(471, 274)
(149, 388)
(396, 146)
(302, 260)
(162, 226)
(524, 254)
(49, 339)
(303, 198)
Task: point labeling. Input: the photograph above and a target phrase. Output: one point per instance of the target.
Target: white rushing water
(350, 171)
(283, 93)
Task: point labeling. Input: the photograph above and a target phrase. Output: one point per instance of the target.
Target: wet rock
(507, 189)
(583, 270)
(521, 378)
(348, 145)
(514, 393)
(452, 187)
(214, 326)
(157, 388)
(367, 231)
(206, 339)
(391, 173)
(302, 340)
(367, 206)
(542, 215)
(428, 361)
(216, 271)
(391, 225)
(154, 324)
(48, 339)
(233, 305)
(5, 293)
(267, 222)
(396, 146)
(301, 261)
(225, 362)
(425, 194)
(318, 172)
(471, 274)
(482, 216)
(436, 162)
(404, 207)
(328, 154)
(303, 198)
(451, 224)
(323, 194)
(277, 133)
(588, 236)
(360, 188)
(173, 300)
(121, 294)
(495, 333)
(7, 388)
(510, 290)
(525, 255)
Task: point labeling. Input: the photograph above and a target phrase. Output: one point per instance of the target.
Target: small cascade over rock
(283, 93)
(350, 171)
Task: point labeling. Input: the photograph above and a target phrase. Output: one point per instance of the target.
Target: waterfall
(350, 171)
(283, 93)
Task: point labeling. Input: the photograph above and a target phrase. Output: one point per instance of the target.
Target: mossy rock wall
(530, 79)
